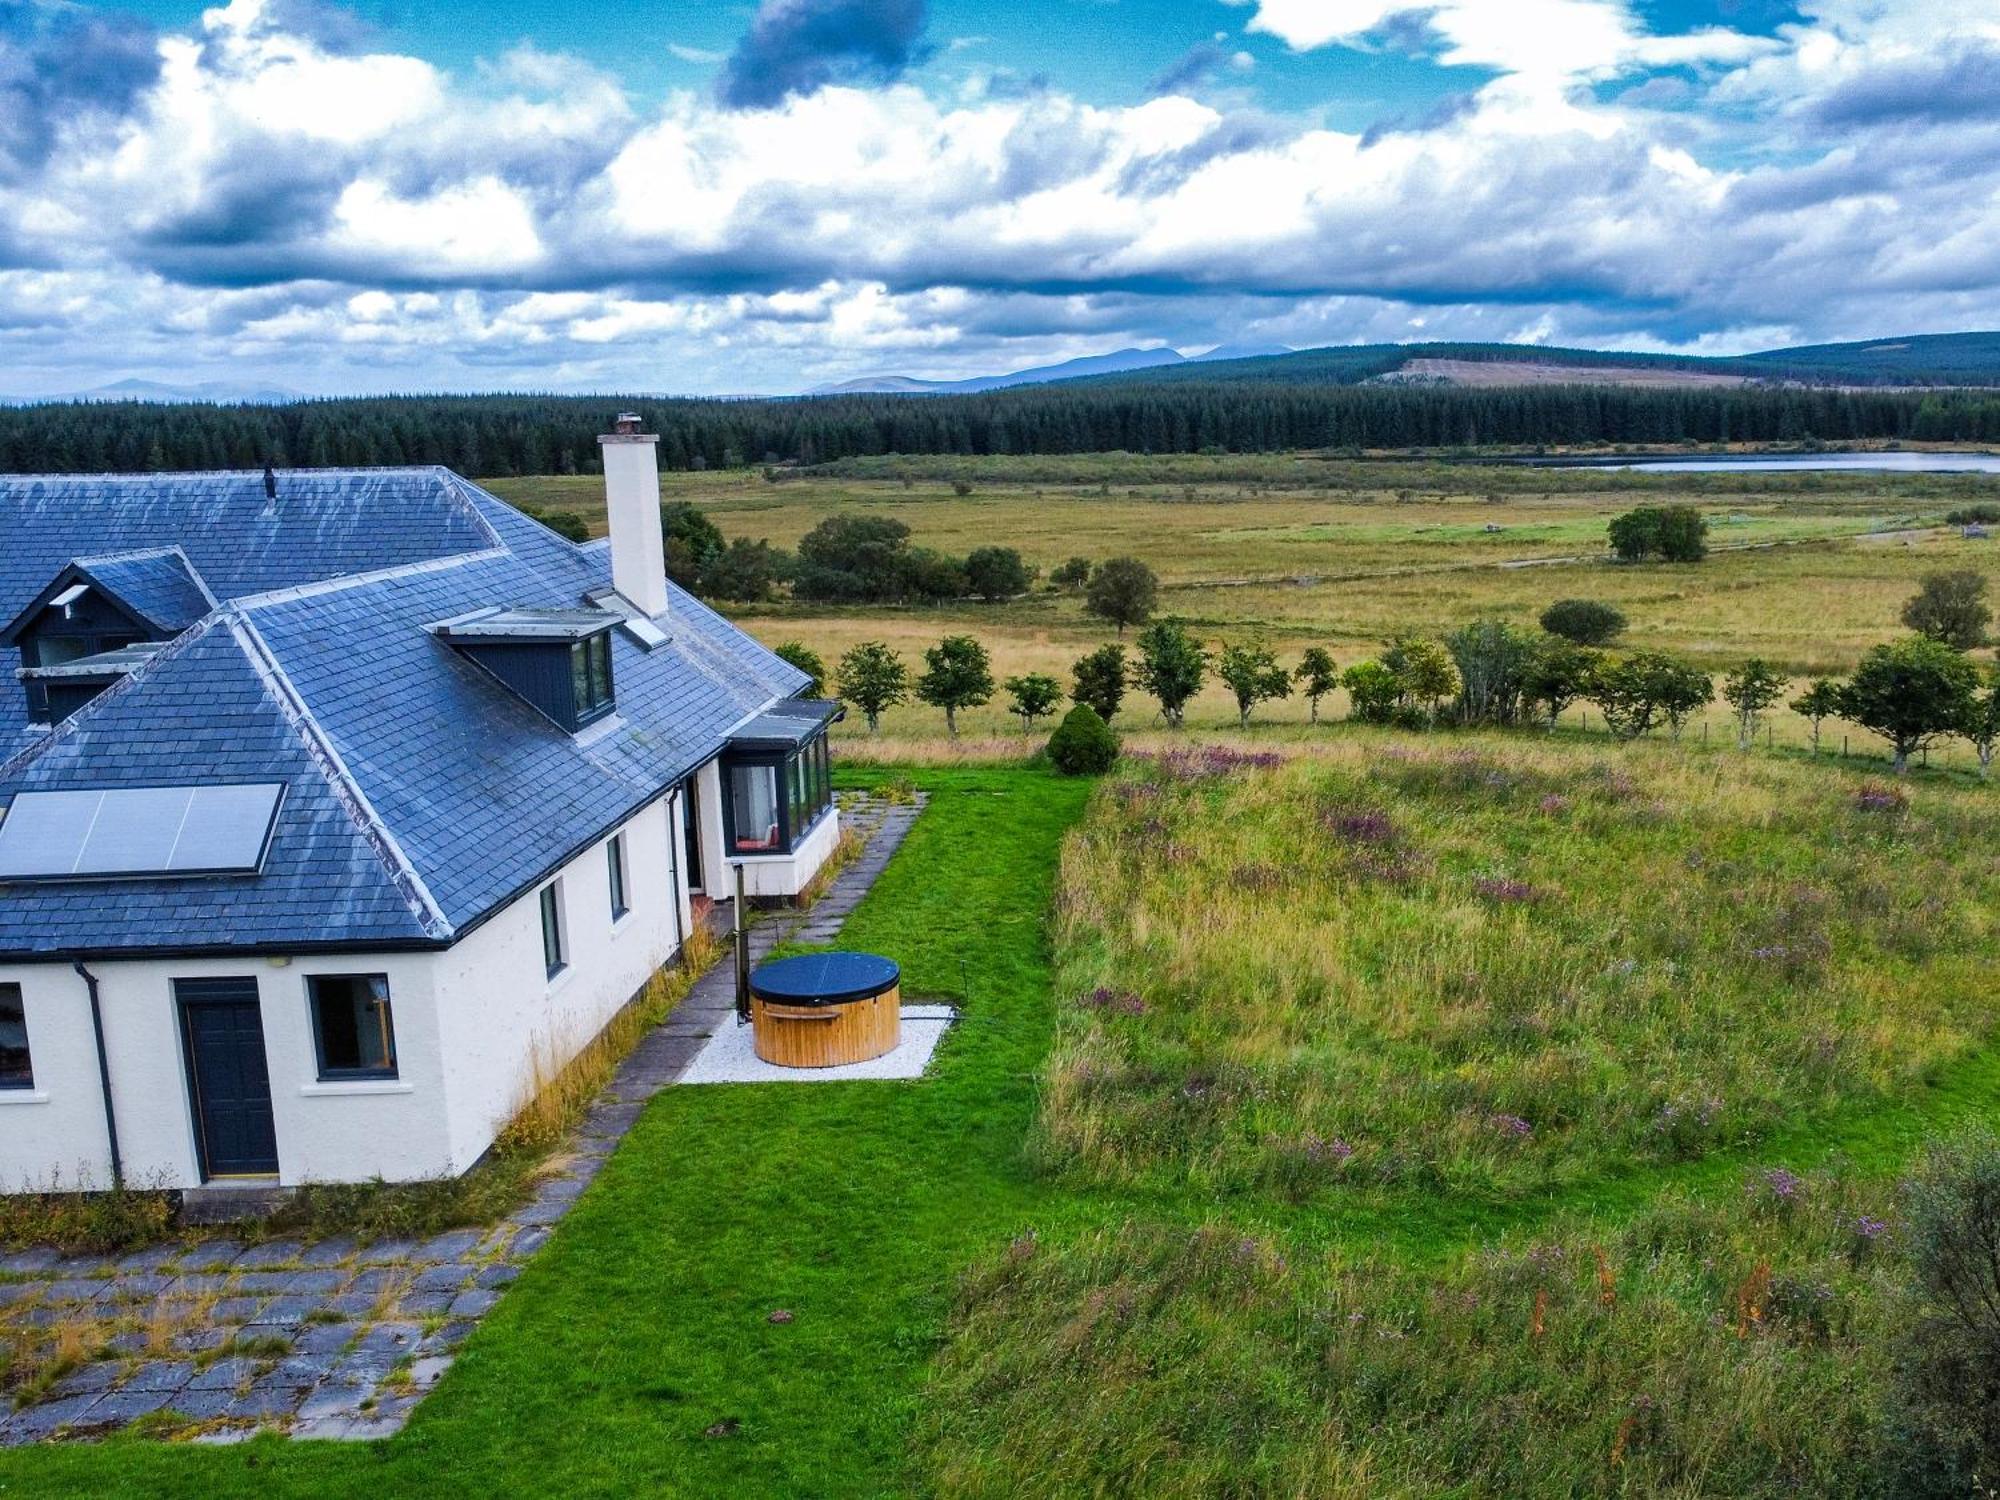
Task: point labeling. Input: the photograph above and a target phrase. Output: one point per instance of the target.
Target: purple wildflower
(1514, 1125)
(1785, 1186)
(1875, 797)
(1506, 892)
(1554, 805)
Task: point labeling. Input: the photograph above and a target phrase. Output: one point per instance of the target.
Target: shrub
(1372, 692)
(1083, 744)
(1587, 622)
(565, 523)
(1640, 692)
(747, 572)
(1493, 660)
(1073, 574)
(1948, 1378)
(1673, 533)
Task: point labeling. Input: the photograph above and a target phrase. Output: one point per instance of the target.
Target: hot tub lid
(825, 979)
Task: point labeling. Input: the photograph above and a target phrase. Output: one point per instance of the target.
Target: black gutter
(103, 1075)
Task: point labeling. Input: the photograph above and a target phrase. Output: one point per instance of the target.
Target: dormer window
(556, 660)
(590, 677)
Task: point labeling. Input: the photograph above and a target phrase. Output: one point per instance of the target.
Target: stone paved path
(215, 1339)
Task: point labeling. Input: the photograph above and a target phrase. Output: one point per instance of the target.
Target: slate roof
(422, 794)
(159, 586)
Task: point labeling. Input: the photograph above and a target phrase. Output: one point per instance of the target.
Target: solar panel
(132, 831)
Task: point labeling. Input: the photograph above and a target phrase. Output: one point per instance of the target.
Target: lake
(1877, 463)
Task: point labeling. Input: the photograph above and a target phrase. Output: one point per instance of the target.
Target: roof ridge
(457, 484)
(297, 591)
(409, 883)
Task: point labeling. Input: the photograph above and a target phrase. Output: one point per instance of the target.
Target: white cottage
(334, 804)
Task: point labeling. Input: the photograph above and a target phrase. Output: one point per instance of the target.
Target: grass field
(1809, 569)
(968, 1321)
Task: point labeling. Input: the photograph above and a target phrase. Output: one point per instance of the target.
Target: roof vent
(270, 483)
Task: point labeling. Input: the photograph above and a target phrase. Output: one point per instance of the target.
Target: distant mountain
(1071, 369)
(1945, 359)
(219, 392)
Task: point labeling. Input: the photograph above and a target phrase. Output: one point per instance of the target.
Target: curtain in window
(753, 799)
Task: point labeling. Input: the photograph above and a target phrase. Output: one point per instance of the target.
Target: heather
(1498, 965)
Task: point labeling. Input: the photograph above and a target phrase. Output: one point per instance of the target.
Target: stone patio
(215, 1339)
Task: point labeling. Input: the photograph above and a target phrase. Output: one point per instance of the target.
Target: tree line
(511, 435)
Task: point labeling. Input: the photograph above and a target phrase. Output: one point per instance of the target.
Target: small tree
(1099, 680)
(1073, 574)
(1952, 608)
(996, 573)
(1252, 673)
(957, 674)
(747, 571)
(1818, 703)
(1171, 667)
(1585, 622)
(807, 661)
(1646, 689)
(1316, 677)
(1982, 723)
(1372, 692)
(1083, 744)
(1560, 673)
(1910, 692)
(1674, 533)
(693, 542)
(1749, 690)
(1425, 673)
(1492, 658)
(1033, 696)
(1123, 591)
(874, 679)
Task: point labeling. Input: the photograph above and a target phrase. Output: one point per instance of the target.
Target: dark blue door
(228, 1079)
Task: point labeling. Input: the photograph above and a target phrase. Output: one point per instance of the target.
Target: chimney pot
(628, 421)
(270, 483)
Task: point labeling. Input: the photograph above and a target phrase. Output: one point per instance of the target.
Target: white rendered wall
(471, 1024)
(502, 1019)
(775, 876)
(326, 1131)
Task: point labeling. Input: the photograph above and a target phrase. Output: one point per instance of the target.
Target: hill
(1118, 362)
(1949, 359)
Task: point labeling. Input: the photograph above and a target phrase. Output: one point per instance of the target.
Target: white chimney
(632, 499)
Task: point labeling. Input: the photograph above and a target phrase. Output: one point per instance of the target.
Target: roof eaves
(403, 872)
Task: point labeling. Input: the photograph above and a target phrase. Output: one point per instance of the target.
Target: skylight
(129, 832)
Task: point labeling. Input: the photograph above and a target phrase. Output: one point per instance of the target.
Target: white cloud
(340, 216)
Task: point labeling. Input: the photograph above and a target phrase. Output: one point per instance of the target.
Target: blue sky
(766, 196)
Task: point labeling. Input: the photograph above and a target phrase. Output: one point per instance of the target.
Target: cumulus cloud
(274, 193)
(799, 46)
(62, 68)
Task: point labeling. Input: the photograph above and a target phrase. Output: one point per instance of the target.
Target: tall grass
(1493, 965)
(1734, 1345)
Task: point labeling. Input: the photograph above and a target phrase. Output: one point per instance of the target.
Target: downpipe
(103, 1074)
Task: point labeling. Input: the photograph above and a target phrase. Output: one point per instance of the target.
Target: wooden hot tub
(824, 1009)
